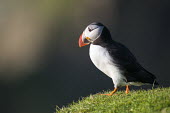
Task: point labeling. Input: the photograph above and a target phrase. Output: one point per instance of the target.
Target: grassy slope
(141, 101)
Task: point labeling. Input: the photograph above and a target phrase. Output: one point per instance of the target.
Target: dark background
(41, 65)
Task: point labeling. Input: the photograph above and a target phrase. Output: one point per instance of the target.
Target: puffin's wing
(123, 58)
(126, 61)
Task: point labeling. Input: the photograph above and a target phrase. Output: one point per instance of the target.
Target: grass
(140, 101)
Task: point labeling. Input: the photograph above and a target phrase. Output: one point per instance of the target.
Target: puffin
(114, 59)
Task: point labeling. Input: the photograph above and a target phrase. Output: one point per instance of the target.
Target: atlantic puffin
(114, 59)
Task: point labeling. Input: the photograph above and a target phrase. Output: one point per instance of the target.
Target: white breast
(103, 61)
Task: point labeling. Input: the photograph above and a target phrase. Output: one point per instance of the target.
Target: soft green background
(41, 64)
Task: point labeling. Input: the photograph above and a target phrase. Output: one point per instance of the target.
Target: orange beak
(81, 41)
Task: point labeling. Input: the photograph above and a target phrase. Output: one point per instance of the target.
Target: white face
(92, 32)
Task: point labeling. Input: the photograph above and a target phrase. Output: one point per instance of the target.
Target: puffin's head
(91, 33)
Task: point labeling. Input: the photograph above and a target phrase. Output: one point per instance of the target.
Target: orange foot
(110, 94)
(127, 89)
(114, 91)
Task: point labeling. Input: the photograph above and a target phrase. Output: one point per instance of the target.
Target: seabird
(114, 59)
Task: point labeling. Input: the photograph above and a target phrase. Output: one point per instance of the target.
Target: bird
(114, 59)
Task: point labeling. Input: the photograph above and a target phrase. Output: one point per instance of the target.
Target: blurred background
(41, 65)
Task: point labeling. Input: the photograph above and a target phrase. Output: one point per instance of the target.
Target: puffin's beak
(82, 41)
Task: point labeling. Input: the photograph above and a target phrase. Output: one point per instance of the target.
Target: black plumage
(124, 59)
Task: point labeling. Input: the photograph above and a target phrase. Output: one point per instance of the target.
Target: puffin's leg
(110, 94)
(127, 89)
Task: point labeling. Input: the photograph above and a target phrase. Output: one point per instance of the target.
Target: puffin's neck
(104, 39)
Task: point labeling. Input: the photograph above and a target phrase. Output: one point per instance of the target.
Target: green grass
(140, 101)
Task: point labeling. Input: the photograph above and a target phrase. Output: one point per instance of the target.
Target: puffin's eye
(90, 29)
